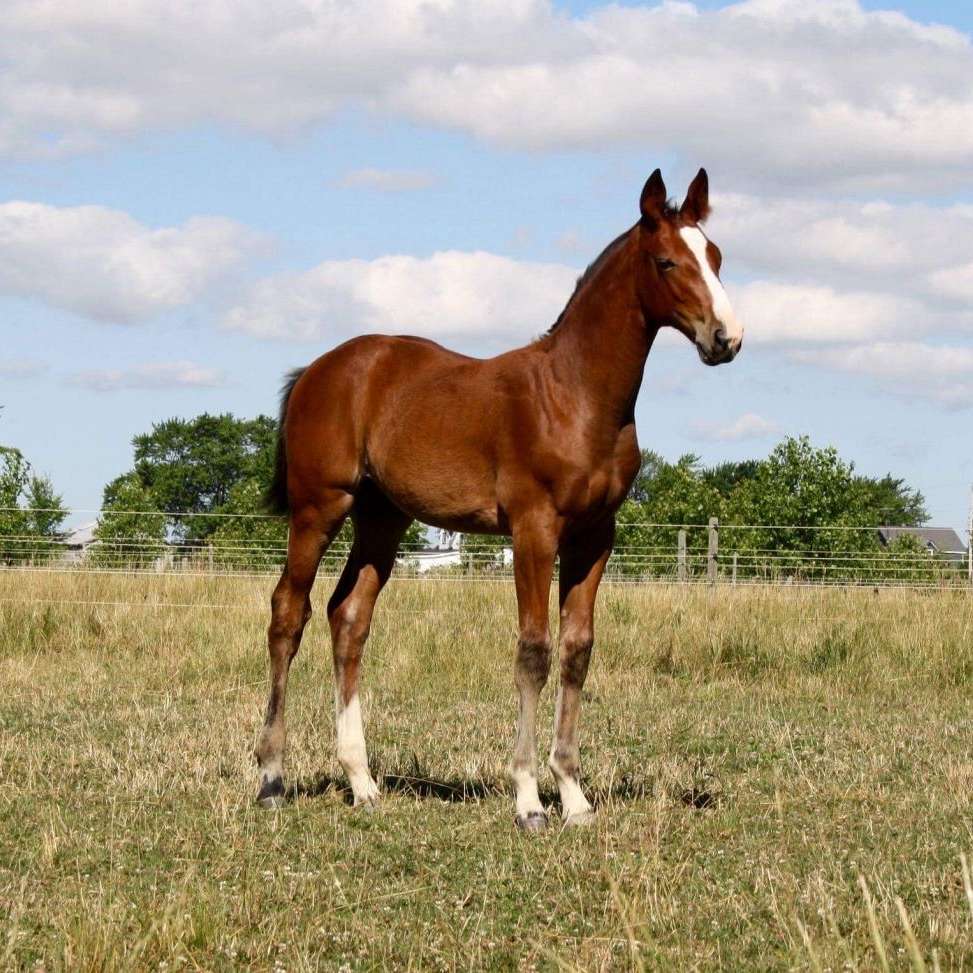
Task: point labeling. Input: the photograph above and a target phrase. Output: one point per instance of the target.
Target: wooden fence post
(681, 555)
(714, 549)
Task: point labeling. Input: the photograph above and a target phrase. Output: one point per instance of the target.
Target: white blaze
(696, 241)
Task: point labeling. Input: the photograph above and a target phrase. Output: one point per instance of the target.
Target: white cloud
(748, 426)
(956, 282)
(783, 313)
(779, 91)
(828, 270)
(157, 375)
(387, 180)
(103, 264)
(856, 245)
(766, 89)
(21, 368)
(451, 294)
(939, 373)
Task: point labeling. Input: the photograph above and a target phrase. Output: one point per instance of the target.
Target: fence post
(209, 558)
(714, 549)
(681, 555)
(734, 567)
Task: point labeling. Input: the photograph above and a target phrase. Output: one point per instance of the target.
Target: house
(943, 541)
(443, 553)
(77, 541)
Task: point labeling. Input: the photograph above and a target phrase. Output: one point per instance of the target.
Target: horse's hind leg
(379, 527)
(311, 531)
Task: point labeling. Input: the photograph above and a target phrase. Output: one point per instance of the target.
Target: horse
(538, 443)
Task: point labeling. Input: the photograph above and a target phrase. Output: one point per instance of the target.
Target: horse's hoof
(271, 794)
(533, 821)
(581, 819)
(369, 797)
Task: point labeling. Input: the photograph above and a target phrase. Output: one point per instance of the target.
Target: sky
(196, 198)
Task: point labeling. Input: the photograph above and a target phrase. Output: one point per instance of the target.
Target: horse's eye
(664, 265)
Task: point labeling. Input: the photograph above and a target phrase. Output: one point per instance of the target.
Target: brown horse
(538, 443)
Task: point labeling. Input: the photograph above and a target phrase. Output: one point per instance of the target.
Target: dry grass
(784, 781)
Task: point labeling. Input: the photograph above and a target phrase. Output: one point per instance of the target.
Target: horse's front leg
(583, 561)
(535, 547)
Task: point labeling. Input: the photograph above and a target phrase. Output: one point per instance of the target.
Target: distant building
(443, 553)
(77, 541)
(943, 541)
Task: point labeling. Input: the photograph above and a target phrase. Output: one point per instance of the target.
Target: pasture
(784, 780)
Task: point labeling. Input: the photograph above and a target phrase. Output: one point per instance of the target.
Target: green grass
(784, 781)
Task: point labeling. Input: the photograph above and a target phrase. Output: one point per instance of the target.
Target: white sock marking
(528, 800)
(352, 754)
(573, 800)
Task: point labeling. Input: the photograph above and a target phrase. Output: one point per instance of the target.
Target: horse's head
(679, 279)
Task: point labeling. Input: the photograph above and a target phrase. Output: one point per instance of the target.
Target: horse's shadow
(454, 790)
(457, 790)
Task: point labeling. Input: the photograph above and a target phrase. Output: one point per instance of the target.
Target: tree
(802, 510)
(664, 497)
(650, 466)
(14, 529)
(217, 468)
(192, 465)
(31, 512)
(127, 538)
(46, 516)
(807, 514)
(725, 477)
(894, 502)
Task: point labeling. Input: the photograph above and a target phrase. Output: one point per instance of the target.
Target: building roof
(944, 540)
(81, 536)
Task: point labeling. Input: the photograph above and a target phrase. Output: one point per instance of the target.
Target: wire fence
(163, 542)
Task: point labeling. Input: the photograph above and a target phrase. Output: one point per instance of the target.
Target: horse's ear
(653, 199)
(695, 207)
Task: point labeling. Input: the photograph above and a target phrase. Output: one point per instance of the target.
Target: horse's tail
(275, 499)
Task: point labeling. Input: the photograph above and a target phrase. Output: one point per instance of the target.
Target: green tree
(216, 468)
(809, 498)
(31, 512)
(725, 477)
(805, 511)
(893, 501)
(192, 465)
(664, 497)
(125, 537)
(14, 527)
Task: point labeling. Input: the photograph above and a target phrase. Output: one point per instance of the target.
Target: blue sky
(192, 204)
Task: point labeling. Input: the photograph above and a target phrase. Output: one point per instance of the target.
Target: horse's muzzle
(724, 349)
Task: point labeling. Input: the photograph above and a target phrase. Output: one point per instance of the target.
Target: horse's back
(405, 411)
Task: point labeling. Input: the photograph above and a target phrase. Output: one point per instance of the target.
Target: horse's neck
(600, 346)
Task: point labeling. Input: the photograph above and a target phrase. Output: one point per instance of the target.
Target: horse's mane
(669, 212)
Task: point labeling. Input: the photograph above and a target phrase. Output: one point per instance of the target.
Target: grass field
(784, 781)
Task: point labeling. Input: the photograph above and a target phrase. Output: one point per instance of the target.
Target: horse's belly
(442, 486)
